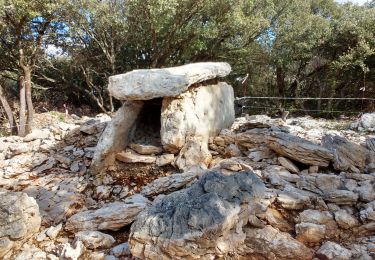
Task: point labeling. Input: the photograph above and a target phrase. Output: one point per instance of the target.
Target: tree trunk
(29, 102)
(280, 81)
(8, 111)
(22, 126)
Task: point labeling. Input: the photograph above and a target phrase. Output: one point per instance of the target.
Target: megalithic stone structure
(192, 105)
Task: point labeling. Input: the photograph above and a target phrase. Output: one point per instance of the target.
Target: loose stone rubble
(320, 205)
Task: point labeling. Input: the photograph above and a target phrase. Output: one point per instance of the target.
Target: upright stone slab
(201, 112)
(115, 137)
(148, 84)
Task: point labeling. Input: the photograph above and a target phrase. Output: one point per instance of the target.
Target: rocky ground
(299, 189)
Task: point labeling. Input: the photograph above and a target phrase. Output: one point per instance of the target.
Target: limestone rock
(293, 200)
(129, 156)
(168, 184)
(310, 232)
(58, 196)
(202, 221)
(52, 232)
(345, 220)
(111, 216)
(367, 121)
(167, 82)
(288, 164)
(145, 149)
(270, 243)
(194, 153)
(37, 134)
(19, 219)
(341, 197)
(332, 251)
(164, 159)
(71, 252)
(121, 250)
(299, 149)
(115, 137)
(200, 112)
(366, 191)
(346, 154)
(95, 239)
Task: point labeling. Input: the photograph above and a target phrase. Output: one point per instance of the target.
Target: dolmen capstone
(167, 116)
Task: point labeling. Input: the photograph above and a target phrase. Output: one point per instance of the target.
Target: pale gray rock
(260, 153)
(366, 191)
(332, 251)
(148, 84)
(71, 252)
(18, 148)
(299, 149)
(367, 121)
(345, 220)
(200, 112)
(95, 239)
(202, 221)
(194, 153)
(293, 200)
(168, 184)
(164, 159)
(130, 156)
(112, 216)
(341, 197)
(53, 231)
(270, 243)
(37, 134)
(146, 149)
(288, 164)
(74, 167)
(19, 220)
(121, 250)
(320, 183)
(115, 136)
(315, 216)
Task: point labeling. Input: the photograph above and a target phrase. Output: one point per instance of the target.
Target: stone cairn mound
(167, 117)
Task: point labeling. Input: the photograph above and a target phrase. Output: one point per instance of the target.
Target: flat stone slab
(148, 84)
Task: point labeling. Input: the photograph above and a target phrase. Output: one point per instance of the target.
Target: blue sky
(353, 1)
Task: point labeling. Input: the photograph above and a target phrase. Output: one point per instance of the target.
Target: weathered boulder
(202, 221)
(19, 220)
(200, 112)
(148, 84)
(111, 216)
(346, 153)
(115, 137)
(299, 149)
(367, 121)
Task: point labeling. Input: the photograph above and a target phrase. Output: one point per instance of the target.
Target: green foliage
(291, 48)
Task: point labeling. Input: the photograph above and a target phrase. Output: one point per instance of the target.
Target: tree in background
(25, 29)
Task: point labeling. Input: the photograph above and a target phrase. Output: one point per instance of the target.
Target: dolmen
(167, 116)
